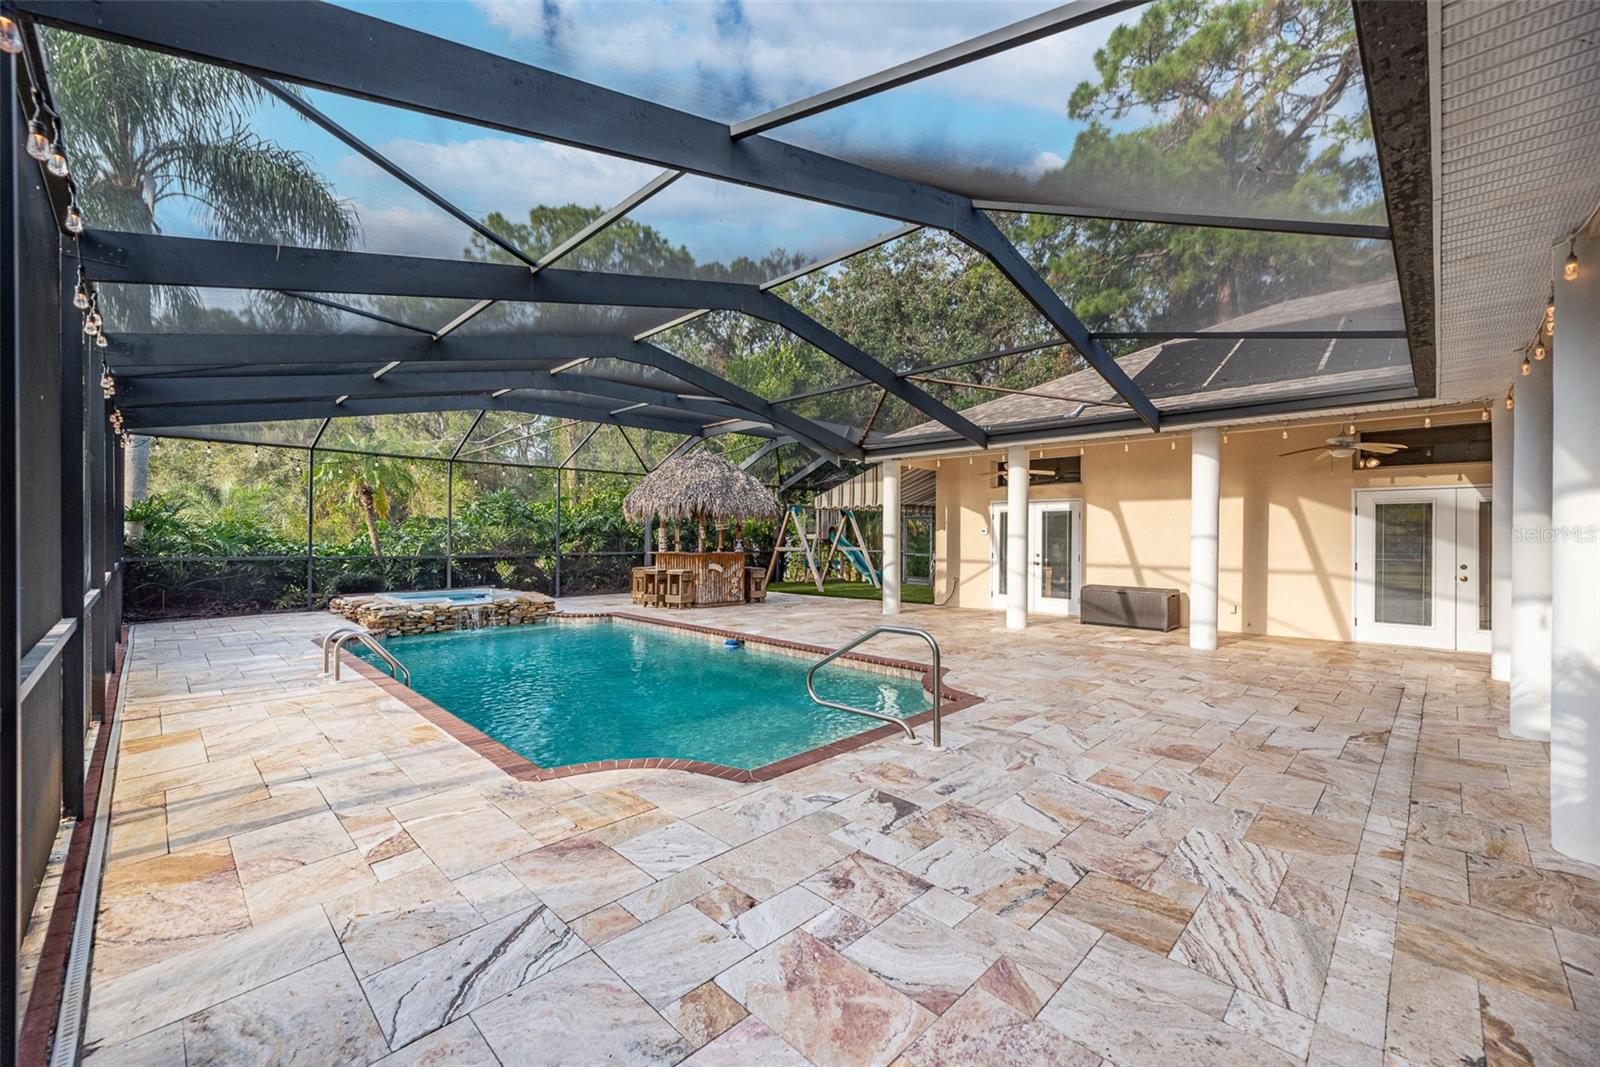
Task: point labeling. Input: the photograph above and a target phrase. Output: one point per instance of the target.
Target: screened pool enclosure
(410, 293)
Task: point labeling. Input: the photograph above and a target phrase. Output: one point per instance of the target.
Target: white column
(1530, 557)
(1575, 562)
(1500, 547)
(889, 562)
(1205, 488)
(1017, 539)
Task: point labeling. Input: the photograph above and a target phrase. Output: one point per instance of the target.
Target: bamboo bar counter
(718, 576)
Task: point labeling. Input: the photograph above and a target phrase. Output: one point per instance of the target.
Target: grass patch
(909, 594)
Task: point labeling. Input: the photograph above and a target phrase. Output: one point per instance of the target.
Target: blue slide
(858, 559)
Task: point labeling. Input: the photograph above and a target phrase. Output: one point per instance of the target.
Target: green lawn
(909, 594)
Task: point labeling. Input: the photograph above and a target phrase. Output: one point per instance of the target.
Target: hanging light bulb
(1427, 422)
(1174, 444)
(1569, 269)
(1527, 366)
(1124, 446)
(80, 293)
(1483, 416)
(90, 327)
(1550, 312)
(1350, 429)
(1286, 433)
(10, 35)
(74, 220)
(38, 138)
(1370, 462)
(100, 340)
(1510, 400)
(56, 163)
(1538, 350)
(108, 384)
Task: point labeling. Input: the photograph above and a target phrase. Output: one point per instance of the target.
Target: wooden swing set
(827, 546)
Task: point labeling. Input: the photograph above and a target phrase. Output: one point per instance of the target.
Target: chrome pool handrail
(349, 633)
(327, 639)
(937, 685)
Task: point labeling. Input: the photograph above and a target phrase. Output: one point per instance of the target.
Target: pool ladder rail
(937, 681)
(333, 643)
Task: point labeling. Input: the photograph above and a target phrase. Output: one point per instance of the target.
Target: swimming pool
(573, 692)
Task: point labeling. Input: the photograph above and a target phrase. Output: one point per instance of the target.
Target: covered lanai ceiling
(722, 284)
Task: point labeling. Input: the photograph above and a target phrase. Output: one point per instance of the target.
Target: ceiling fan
(1344, 446)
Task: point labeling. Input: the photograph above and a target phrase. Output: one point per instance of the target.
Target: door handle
(1463, 578)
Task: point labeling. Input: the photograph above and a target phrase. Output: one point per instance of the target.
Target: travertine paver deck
(1283, 851)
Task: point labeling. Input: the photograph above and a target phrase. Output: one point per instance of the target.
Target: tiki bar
(706, 499)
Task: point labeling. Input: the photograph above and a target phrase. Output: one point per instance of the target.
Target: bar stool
(679, 589)
(755, 585)
(641, 580)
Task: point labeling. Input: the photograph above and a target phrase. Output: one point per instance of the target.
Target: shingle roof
(1181, 374)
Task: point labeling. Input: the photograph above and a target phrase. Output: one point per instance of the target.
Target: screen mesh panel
(700, 228)
(1251, 117)
(724, 62)
(1125, 276)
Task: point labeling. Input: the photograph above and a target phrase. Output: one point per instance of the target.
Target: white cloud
(508, 174)
(407, 231)
(1042, 164)
(731, 60)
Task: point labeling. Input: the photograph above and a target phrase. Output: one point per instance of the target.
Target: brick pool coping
(519, 766)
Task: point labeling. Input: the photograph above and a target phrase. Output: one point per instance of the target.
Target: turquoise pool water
(561, 693)
(454, 596)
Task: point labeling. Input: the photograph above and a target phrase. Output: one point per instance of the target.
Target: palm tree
(367, 481)
(142, 128)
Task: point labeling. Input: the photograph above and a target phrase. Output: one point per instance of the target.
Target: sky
(721, 59)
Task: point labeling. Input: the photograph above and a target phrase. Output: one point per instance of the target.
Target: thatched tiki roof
(701, 486)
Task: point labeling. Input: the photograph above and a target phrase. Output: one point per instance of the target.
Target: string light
(1538, 350)
(74, 219)
(57, 163)
(1427, 422)
(1124, 446)
(1174, 444)
(1370, 462)
(1569, 269)
(100, 340)
(10, 35)
(1510, 399)
(1350, 429)
(1550, 313)
(1224, 437)
(38, 139)
(80, 293)
(1286, 433)
(1483, 416)
(108, 384)
(1527, 365)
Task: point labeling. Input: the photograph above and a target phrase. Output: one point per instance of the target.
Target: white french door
(1422, 567)
(1055, 555)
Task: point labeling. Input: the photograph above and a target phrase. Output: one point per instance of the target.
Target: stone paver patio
(1280, 852)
